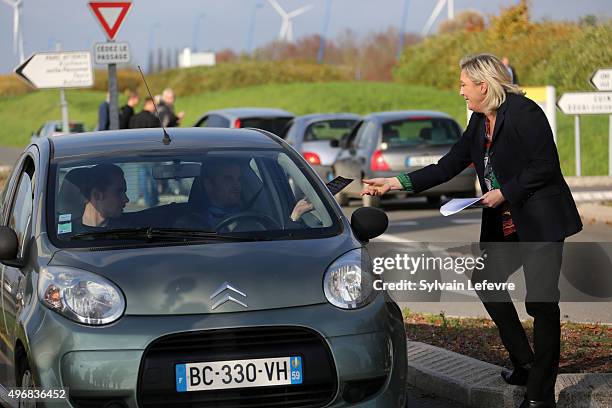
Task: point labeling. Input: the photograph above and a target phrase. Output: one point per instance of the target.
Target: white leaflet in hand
(457, 204)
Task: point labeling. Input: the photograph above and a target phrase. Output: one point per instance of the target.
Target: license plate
(262, 372)
(414, 161)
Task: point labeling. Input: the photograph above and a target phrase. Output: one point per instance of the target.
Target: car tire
(370, 201)
(25, 379)
(434, 200)
(342, 199)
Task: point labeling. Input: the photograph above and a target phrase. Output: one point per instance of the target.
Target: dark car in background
(55, 127)
(317, 137)
(385, 144)
(158, 306)
(269, 119)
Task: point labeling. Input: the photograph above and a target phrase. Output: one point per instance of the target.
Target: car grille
(157, 381)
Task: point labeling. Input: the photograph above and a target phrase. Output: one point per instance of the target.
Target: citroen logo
(227, 297)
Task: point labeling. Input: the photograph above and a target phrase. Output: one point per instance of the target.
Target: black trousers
(541, 264)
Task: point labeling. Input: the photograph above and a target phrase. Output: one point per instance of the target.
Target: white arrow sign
(71, 69)
(602, 79)
(586, 103)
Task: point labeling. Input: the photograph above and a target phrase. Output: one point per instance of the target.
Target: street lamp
(196, 30)
(402, 31)
(152, 30)
(257, 4)
(321, 54)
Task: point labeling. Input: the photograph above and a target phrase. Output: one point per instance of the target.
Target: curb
(477, 384)
(593, 212)
(589, 181)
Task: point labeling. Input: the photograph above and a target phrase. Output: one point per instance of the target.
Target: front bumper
(102, 364)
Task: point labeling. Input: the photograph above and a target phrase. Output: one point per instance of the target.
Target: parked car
(272, 120)
(385, 144)
(128, 304)
(55, 127)
(317, 137)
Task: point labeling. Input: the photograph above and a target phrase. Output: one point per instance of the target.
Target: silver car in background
(385, 144)
(270, 119)
(317, 138)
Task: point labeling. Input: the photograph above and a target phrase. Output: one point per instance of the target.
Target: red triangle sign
(110, 15)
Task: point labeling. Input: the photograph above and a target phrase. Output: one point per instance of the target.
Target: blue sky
(225, 23)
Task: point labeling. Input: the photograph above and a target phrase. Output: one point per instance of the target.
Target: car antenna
(166, 138)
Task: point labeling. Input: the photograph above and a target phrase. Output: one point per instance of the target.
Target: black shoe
(518, 376)
(537, 404)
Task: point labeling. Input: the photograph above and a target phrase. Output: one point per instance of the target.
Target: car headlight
(81, 296)
(347, 283)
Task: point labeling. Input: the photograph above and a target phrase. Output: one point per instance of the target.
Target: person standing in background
(511, 70)
(103, 114)
(166, 109)
(127, 110)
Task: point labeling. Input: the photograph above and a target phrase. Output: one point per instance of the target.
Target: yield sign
(110, 15)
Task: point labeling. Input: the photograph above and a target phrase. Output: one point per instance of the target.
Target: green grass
(20, 115)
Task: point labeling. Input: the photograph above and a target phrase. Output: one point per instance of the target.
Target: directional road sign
(586, 103)
(70, 69)
(602, 79)
(112, 53)
(110, 15)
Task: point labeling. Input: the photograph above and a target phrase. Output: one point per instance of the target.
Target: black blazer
(526, 163)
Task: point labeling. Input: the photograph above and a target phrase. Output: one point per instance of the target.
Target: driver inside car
(221, 183)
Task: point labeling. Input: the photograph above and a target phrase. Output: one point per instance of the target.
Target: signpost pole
(577, 138)
(63, 102)
(113, 108)
(610, 146)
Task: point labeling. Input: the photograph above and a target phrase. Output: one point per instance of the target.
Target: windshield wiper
(152, 234)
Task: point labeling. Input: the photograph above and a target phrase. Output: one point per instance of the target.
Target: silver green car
(209, 268)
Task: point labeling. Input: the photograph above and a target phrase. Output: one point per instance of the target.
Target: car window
(217, 121)
(328, 129)
(20, 216)
(253, 193)
(421, 131)
(274, 125)
(364, 135)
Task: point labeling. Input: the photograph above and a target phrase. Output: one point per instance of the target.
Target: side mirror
(8, 244)
(334, 143)
(345, 141)
(368, 223)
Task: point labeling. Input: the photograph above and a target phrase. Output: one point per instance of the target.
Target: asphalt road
(414, 220)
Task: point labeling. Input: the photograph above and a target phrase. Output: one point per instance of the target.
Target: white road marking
(403, 223)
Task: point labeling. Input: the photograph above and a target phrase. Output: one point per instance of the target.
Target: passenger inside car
(104, 190)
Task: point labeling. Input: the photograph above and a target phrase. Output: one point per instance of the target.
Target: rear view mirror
(176, 171)
(368, 223)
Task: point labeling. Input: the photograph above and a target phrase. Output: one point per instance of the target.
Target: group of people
(147, 117)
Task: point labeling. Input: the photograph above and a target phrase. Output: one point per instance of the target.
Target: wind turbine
(17, 33)
(450, 6)
(286, 30)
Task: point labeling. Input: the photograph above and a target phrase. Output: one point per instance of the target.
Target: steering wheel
(266, 220)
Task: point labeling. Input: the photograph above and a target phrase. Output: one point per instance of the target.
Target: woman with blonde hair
(526, 199)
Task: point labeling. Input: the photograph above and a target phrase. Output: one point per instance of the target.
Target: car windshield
(273, 125)
(329, 129)
(421, 131)
(213, 195)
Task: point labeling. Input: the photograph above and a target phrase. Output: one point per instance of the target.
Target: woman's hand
(380, 186)
(492, 199)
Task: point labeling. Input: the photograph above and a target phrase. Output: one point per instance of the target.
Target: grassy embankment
(23, 114)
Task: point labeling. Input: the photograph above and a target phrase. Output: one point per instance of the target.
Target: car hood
(181, 279)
